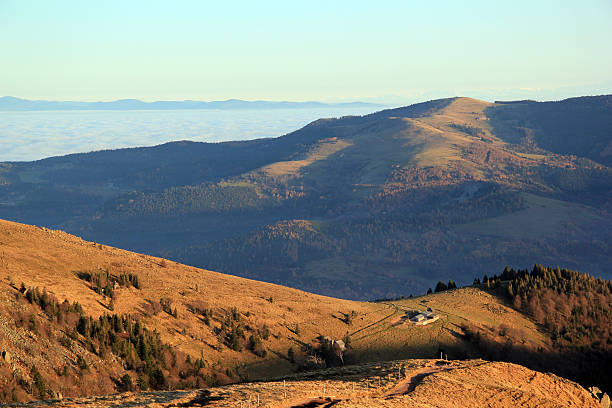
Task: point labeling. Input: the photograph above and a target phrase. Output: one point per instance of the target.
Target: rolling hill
(360, 207)
(77, 317)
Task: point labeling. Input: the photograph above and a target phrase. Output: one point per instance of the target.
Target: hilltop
(359, 207)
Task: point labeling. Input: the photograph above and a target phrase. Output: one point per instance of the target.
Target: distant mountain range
(10, 103)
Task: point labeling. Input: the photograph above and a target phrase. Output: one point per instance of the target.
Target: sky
(381, 51)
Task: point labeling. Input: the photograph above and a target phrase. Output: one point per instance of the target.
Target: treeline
(213, 198)
(441, 286)
(574, 308)
(470, 130)
(405, 232)
(380, 233)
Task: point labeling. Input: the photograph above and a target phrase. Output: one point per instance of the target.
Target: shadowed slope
(394, 200)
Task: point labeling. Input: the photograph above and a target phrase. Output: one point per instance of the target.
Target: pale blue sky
(389, 51)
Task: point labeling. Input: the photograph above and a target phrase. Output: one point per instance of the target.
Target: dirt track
(414, 383)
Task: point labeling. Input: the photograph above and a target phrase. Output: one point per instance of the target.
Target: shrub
(39, 383)
(82, 363)
(125, 383)
(291, 354)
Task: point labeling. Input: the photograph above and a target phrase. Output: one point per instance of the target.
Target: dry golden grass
(321, 151)
(413, 383)
(434, 140)
(50, 259)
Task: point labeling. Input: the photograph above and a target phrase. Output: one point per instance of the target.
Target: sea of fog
(36, 135)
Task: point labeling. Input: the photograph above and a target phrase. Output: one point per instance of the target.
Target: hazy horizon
(390, 101)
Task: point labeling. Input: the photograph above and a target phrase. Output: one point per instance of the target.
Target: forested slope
(361, 207)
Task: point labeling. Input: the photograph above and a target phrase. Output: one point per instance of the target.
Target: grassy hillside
(231, 328)
(357, 207)
(77, 317)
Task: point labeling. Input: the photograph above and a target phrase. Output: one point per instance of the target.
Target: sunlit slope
(414, 383)
(53, 261)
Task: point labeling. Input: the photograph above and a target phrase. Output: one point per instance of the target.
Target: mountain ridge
(393, 201)
(10, 103)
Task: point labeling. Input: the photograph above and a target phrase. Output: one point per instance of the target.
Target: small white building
(425, 317)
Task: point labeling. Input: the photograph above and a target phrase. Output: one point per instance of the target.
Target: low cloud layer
(28, 136)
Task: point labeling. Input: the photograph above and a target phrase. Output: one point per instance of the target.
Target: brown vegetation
(413, 383)
(208, 328)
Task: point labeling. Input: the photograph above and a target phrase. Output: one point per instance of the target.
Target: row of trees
(441, 286)
(103, 282)
(203, 198)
